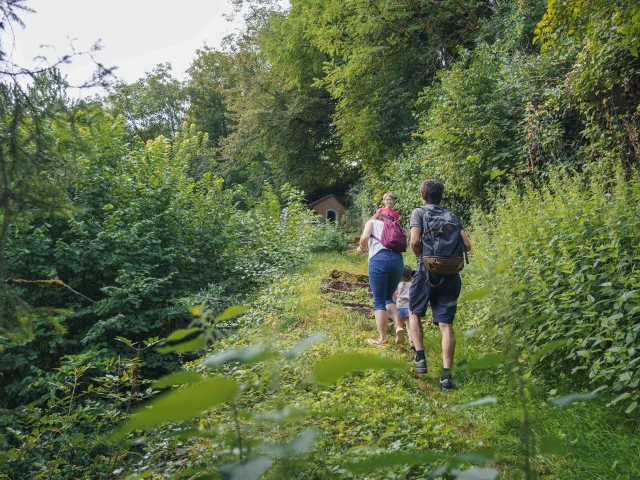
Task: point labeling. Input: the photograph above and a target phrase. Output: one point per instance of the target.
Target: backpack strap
(374, 237)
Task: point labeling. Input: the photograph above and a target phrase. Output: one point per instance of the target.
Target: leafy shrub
(68, 436)
(148, 238)
(569, 250)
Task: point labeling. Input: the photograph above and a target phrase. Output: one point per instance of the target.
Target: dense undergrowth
(147, 241)
(568, 252)
(313, 430)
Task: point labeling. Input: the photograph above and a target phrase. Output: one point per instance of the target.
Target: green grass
(368, 413)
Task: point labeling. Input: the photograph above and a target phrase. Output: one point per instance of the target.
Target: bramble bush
(569, 250)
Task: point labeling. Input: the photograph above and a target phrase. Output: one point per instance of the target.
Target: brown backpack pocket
(443, 265)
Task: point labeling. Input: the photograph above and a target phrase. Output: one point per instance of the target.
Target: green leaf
(474, 295)
(533, 320)
(552, 445)
(488, 361)
(394, 459)
(477, 403)
(251, 470)
(181, 404)
(184, 377)
(330, 370)
(231, 312)
(195, 344)
(546, 348)
(126, 341)
(180, 334)
(251, 354)
(572, 397)
(631, 407)
(619, 398)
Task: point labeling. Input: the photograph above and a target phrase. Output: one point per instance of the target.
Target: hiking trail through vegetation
(394, 411)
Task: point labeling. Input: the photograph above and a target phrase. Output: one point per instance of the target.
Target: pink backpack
(393, 235)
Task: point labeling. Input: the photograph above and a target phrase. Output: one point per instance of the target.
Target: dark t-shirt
(418, 214)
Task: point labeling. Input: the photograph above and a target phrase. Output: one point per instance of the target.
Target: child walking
(402, 302)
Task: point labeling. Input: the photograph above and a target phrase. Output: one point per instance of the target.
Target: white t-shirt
(402, 293)
(374, 245)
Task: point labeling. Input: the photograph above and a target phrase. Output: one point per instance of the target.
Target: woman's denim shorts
(385, 273)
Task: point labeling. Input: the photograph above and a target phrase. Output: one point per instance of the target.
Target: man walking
(439, 241)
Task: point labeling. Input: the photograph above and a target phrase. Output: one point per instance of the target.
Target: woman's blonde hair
(388, 194)
(378, 216)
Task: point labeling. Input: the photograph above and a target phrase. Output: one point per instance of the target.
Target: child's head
(388, 200)
(406, 274)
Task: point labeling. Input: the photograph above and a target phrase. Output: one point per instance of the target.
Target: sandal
(376, 342)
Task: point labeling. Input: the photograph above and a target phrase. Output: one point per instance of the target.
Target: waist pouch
(443, 265)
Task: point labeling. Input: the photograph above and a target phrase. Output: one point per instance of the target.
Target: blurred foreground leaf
(304, 345)
(572, 397)
(250, 470)
(474, 295)
(298, 445)
(476, 473)
(394, 459)
(184, 377)
(477, 403)
(180, 334)
(552, 445)
(331, 369)
(546, 348)
(488, 361)
(195, 344)
(251, 354)
(231, 312)
(181, 404)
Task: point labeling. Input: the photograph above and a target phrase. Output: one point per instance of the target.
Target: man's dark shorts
(442, 297)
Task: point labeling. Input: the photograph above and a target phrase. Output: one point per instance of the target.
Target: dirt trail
(350, 290)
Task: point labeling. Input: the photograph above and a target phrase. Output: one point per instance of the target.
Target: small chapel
(329, 208)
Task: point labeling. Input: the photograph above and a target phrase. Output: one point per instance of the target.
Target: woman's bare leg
(398, 327)
(382, 319)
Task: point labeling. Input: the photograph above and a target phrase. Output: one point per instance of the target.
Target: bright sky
(135, 35)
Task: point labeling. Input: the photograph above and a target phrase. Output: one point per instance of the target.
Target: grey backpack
(443, 250)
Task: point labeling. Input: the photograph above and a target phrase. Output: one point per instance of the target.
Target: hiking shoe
(447, 384)
(400, 336)
(420, 366)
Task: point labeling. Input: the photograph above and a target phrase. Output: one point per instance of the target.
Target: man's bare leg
(448, 344)
(416, 331)
(448, 350)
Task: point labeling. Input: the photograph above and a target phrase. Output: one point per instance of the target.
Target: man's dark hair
(432, 191)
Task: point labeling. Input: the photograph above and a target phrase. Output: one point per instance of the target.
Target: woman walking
(385, 272)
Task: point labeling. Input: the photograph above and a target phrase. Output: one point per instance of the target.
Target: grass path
(367, 413)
